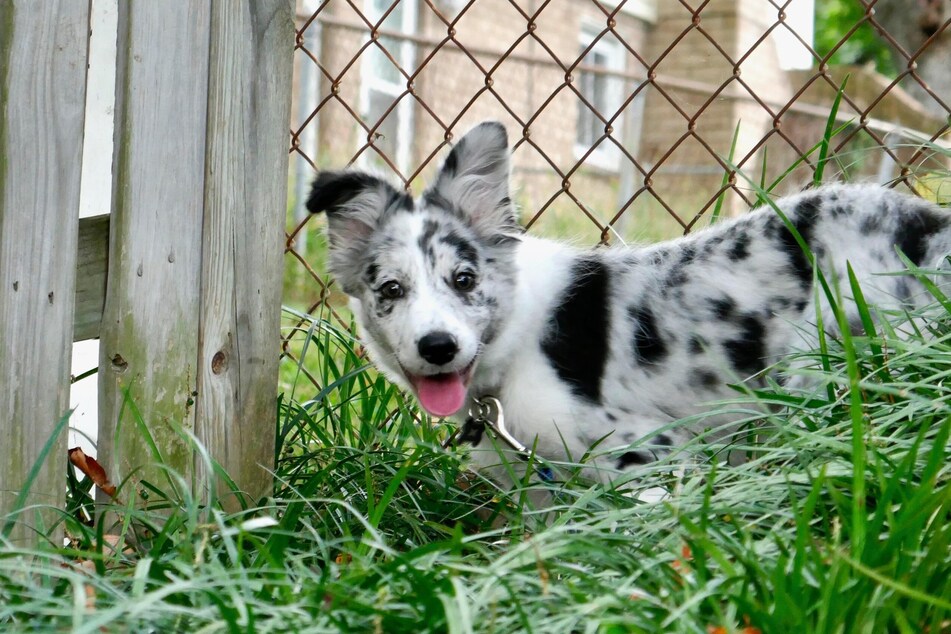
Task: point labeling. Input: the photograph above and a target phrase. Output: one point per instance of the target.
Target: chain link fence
(630, 120)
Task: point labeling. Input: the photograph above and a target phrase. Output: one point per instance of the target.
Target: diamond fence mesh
(637, 119)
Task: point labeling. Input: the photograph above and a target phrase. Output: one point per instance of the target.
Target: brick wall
(678, 129)
(529, 82)
(700, 81)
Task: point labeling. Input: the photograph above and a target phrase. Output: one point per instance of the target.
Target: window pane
(602, 91)
(600, 94)
(380, 67)
(593, 87)
(586, 118)
(394, 20)
(383, 81)
(387, 139)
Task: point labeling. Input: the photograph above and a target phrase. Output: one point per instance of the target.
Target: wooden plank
(92, 266)
(43, 54)
(190, 329)
(149, 334)
(246, 197)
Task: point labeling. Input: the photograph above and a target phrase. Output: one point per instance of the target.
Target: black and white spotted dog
(456, 303)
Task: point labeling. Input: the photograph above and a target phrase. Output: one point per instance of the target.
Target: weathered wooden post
(43, 54)
(190, 329)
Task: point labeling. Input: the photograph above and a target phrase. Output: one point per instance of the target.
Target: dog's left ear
(474, 180)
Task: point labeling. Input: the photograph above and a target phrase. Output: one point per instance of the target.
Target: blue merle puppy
(456, 303)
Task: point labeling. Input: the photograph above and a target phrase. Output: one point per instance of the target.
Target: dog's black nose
(439, 348)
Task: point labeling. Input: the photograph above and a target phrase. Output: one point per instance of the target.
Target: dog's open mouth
(442, 394)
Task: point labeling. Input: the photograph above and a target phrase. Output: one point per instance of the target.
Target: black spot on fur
(871, 223)
(663, 440)
(856, 327)
(426, 240)
(723, 307)
(452, 161)
(371, 273)
(840, 211)
(382, 309)
(705, 378)
(476, 298)
(677, 277)
(687, 254)
(914, 229)
(658, 257)
(331, 190)
(801, 305)
(740, 249)
(630, 458)
(576, 344)
(903, 290)
(696, 345)
(426, 237)
(803, 218)
(611, 417)
(649, 347)
(434, 198)
(399, 201)
(465, 250)
(747, 352)
(779, 304)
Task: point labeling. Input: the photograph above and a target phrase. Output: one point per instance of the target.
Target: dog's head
(430, 279)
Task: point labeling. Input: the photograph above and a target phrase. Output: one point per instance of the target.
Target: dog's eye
(464, 281)
(391, 290)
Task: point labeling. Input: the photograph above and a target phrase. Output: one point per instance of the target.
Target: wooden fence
(182, 281)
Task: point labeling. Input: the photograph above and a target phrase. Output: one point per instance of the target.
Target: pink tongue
(441, 395)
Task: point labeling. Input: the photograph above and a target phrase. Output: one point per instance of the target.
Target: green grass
(838, 522)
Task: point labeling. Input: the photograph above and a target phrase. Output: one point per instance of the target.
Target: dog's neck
(542, 268)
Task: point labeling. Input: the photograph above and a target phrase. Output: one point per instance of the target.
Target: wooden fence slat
(43, 54)
(190, 329)
(91, 268)
(242, 251)
(149, 336)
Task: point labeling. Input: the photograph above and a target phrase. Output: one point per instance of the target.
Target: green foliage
(837, 521)
(835, 20)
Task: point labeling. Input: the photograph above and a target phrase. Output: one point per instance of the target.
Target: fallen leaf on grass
(683, 561)
(92, 469)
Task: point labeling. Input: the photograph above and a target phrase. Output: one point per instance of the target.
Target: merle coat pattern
(455, 301)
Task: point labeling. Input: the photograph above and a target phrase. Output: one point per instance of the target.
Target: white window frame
(370, 82)
(606, 156)
(642, 9)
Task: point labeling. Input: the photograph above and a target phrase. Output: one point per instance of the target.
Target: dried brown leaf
(92, 469)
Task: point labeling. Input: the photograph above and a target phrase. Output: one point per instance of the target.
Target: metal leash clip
(488, 410)
(488, 413)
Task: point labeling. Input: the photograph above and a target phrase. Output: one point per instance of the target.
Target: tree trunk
(912, 27)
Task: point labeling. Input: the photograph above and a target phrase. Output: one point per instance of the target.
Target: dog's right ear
(354, 202)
